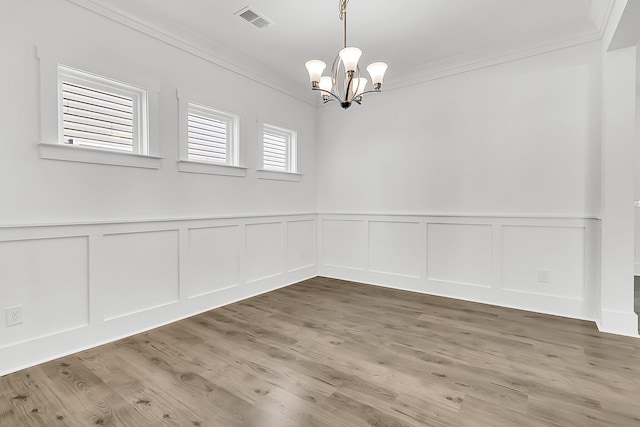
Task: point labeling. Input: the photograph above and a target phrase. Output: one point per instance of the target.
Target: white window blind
(97, 112)
(97, 118)
(208, 138)
(212, 135)
(275, 150)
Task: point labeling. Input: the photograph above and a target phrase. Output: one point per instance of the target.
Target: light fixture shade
(359, 85)
(315, 68)
(350, 56)
(326, 83)
(376, 71)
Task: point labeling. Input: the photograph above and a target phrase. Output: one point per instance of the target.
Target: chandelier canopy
(345, 84)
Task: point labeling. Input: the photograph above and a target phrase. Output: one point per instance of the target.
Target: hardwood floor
(333, 353)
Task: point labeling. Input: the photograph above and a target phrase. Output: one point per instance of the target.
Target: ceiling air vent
(254, 17)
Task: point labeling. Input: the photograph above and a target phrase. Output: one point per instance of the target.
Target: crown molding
(481, 59)
(599, 14)
(237, 66)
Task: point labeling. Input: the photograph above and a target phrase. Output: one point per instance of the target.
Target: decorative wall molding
(542, 264)
(82, 285)
(598, 15)
(478, 60)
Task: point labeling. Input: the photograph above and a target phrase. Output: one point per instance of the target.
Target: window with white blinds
(212, 135)
(278, 149)
(100, 113)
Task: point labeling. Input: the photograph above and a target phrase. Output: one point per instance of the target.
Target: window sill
(278, 176)
(191, 166)
(72, 153)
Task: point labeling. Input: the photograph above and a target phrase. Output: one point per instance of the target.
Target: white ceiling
(415, 37)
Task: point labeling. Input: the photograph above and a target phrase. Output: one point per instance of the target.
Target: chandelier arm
(335, 68)
(370, 91)
(328, 93)
(348, 92)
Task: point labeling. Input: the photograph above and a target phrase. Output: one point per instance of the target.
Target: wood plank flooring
(326, 352)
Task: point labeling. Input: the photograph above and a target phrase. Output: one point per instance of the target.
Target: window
(100, 113)
(278, 149)
(212, 136)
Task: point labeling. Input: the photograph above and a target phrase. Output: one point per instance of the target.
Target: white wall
(474, 186)
(520, 138)
(618, 140)
(95, 252)
(53, 191)
(636, 198)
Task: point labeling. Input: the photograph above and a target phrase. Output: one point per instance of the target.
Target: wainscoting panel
(81, 285)
(395, 247)
(344, 243)
(214, 261)
(459, 253)
(543, 260)
(264, 250)
(543, 264)
(143, 273)
(49, 279)
(301, 244)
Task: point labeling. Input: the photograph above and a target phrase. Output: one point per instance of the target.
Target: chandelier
(345, 84)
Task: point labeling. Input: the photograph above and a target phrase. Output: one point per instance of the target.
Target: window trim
(77, 153)
(291, 167)
(234, 165)
(231, 138)
(140, 140)
(49, 146)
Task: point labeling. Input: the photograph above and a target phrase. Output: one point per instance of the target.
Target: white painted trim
(204, 52)
(39, 346)
(33, 352)
(599, 13)
(49, 120)
(72, 153)
(620, 323)
(4, 227)
(475, 61)
(191, 166)
(580, 306)
(527, 302)
(393, 216)
(636, 268)
(435, 70)
(278, 176)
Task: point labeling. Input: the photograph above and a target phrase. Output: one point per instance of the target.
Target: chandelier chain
(342, 7)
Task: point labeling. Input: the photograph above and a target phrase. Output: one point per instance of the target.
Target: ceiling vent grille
(254, 17)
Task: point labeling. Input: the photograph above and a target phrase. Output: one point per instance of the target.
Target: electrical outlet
(14, 315)
(544, 276)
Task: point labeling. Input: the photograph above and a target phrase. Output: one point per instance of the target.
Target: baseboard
(30, 353)
(617, 322)
(545, 304)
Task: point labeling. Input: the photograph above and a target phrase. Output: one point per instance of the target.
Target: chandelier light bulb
(359, 86)
(315, 68)
(326, 83)
(376, 71)
(350, 56)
